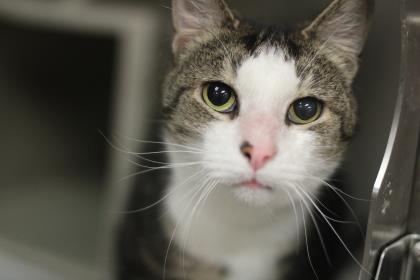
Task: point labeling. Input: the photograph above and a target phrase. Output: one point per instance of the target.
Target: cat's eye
(220, 97)
(305, 110)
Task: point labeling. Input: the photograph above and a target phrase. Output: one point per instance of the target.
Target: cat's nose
(257, 156)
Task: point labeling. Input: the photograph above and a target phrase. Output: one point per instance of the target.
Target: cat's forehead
(267, 77)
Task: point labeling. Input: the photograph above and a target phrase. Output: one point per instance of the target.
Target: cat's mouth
(255, 185)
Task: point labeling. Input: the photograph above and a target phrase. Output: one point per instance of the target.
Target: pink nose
(257, 156)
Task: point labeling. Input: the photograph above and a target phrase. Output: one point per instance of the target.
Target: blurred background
(72, 70)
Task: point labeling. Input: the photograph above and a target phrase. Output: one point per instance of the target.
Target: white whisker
(335, 190)
(157, 168)
(292, 202)
(324, 247)
(164, 197)
(162, 142)
(206, 188)
(124, 150)
(197, 191)
(306, 241)
(339, 238)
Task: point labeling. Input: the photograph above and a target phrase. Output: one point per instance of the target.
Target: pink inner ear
(181, 41)
(192, 17)
(186, 29)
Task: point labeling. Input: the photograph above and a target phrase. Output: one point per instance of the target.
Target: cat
(257, 121)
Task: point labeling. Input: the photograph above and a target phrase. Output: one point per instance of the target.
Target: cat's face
(271, 111)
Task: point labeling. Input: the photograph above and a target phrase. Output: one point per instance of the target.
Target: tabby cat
(257, 120)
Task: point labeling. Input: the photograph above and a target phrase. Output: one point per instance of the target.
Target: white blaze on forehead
(267, 80)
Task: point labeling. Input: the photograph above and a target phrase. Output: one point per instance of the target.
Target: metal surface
(413, 271)
(396, 193)
(399, 260)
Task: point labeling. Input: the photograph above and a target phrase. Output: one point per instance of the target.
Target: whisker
(296, 216)
(157, 162)
(165, 152)
(315, 198)
(125, 151)
(330, 211)
(310, 176)
(341, 221)
(344, 193)
(324, 247)
(150, 153)
(214, 186)
(306, 241)
(335, 190)
(340, 239)
(157, 168)
(190, 191)
(175, 230)
(161, 142)
(164, 197)
(140, 155)
(207, 187)
(163, 165)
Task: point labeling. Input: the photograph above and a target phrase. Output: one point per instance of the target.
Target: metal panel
(396, 193)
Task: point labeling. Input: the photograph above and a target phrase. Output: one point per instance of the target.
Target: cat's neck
(222, 230)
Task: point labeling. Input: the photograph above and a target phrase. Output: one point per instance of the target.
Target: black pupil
(306, 108)
(218, 93)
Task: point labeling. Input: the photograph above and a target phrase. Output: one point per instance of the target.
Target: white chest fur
(224, 231)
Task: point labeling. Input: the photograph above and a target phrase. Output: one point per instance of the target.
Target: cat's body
(257, 120)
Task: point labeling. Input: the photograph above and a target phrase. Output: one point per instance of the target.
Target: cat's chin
(252, 194)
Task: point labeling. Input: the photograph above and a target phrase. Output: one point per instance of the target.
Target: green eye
(220, 97)
(305, 110)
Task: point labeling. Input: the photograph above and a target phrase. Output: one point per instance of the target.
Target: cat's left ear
(192, 18)
(341, 31)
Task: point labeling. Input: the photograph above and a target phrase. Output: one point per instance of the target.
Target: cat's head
(269, 110)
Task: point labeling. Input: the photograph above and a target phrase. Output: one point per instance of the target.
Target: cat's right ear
(192, 18)
(341, 30)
